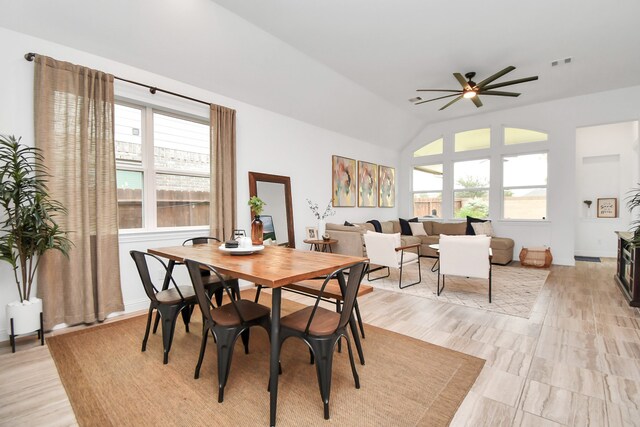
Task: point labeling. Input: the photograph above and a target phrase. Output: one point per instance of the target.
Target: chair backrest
(465, 255)
(200, 240)
(140, 259)
(356, 274)
(204, 302)
(381, 248)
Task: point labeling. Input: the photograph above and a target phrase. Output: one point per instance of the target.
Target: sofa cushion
(428, 227)
(452, 228)
(417, 229)
(483, 228)
(471, 220)
(404, 225)
(366, 226)
(351, 228)
(387, 227)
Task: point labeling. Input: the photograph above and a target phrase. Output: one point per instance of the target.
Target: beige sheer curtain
(222, 213)
(74, 129)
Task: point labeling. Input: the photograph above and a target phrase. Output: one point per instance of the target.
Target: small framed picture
(607, 208)
(312, 233)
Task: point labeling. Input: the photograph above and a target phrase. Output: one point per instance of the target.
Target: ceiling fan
(471, 89)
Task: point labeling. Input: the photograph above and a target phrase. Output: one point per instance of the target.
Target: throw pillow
(417, 229)
(405, 229)
(483, 228)
(471, 220)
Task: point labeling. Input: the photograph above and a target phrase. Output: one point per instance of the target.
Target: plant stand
(25, 319)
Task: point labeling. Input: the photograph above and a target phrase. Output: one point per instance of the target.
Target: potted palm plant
(27, 227)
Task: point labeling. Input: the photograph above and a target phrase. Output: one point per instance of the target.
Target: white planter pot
(25, 315)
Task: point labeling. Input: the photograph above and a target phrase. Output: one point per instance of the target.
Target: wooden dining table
(273, 267)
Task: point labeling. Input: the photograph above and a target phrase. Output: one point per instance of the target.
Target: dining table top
(273, 266)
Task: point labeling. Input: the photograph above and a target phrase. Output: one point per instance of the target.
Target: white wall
(266, 142)
(606, 166)
(559, 119)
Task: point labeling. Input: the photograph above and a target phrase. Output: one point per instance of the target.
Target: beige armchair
(385, 251)
(467, 256)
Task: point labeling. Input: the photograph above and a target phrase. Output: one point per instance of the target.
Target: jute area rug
(110, 382)
(514, 289)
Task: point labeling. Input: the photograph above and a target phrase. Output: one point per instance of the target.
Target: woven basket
(536, 257)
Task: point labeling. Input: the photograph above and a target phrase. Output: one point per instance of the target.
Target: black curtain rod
(31, 56)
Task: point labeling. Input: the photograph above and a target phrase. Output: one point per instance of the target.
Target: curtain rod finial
(29, 56)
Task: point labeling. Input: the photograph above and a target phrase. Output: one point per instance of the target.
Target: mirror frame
(254, 177)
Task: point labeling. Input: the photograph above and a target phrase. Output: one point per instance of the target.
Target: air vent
(557, 62)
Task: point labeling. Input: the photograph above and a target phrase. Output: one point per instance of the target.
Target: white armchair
(386, 251)
(467, 256)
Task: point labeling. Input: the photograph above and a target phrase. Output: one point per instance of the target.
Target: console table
(627, 276)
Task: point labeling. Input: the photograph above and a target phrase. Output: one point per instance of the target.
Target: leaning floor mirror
(277, 216)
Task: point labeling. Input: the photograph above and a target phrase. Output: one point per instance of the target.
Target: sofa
(350, 241)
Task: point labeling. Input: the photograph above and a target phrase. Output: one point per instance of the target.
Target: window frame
(504, 188)
(454, 190)
(441, 191)
(148, 168)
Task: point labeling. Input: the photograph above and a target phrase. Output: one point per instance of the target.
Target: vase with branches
(328, 211)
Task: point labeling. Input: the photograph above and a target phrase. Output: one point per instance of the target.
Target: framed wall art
(386, 187)
(607, 208)
(311, 233)
(343, 182)
(367, 184)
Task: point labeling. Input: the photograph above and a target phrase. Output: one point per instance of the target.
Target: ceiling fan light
(469, 94)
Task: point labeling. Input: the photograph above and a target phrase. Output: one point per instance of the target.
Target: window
(432, 148)
(471, 188)
(162, 164)
(427, 191)
(477, 139)
(513, 136)
(525, 186)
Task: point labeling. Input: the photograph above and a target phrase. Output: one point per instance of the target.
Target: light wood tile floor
(574, 362)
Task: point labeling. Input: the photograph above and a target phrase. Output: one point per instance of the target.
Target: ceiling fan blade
(510, 82)
(476, 100)
(496, 76)
(498, 93)
(463, 82)
(435, 99)
(438, 90)
(451, 102)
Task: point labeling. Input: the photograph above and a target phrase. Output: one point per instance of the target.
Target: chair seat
(407, 257)
(227, 315)
(325, 322)
(212, 279)
(171, 295)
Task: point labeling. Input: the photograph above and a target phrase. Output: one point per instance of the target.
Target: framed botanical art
(367, 184)
(343, 182)
(386, 187)
(607, 208)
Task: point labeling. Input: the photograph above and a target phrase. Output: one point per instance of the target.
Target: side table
(320, 245)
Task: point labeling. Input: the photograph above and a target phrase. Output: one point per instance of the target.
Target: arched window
(513, 136)
(432, 148)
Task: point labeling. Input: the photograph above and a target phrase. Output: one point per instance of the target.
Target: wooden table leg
(275, 353)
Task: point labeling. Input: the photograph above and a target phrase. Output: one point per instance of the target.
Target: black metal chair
(322, 329)
(211, 282)
(168, 303)
(225, 322)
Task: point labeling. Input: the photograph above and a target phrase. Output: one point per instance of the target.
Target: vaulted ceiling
(351, 66)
